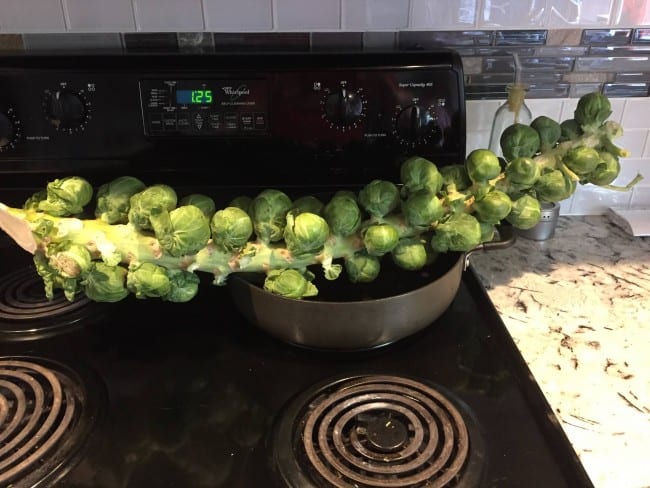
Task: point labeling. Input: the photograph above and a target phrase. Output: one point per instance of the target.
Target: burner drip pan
(378, 431)
(47, 412)
(25, 312)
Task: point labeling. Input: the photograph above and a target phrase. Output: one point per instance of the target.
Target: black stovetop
(190, 394)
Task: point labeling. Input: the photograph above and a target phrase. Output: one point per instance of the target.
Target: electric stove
(148, 393)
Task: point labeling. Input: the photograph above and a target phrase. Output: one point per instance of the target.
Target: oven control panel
(204, 107)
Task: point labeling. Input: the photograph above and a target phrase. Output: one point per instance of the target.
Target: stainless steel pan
(348, 316)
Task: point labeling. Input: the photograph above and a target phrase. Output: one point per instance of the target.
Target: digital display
(201, 97)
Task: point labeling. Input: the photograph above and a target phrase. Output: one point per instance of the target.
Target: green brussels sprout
(32, 202)
(410, 254)
(554, 186)
(523, 171)
(346, 193)
(460, 232)
(456, 175)
(606, 171)
(487, 231)
(592, 110)
(361, 267)
(570, 130)
(379, 198)
(290, 283)
(184, 230)
(66, 196)
(482, 165)
(305, 233)
(581, 160)
(343, 215)
(105, 283)
(422, 209)
(184, 286)
(380, 239)
(309, 204)
(231, 228)
(52, 279)
(526, 212)
(419, 174)
(70, 260)
(147, 280)
(153, 200)
(203, 202)
(269, 214)
(549, 131)
(519, 141)
(113, 199)
(493, 207)
(244, 202)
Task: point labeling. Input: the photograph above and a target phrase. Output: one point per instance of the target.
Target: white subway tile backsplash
(630, 167)
(527, 14)
(572, 13)
(635, 113)
(477, 140)
(640, 196)
(308, 15)
(375, 14)
(634, 140)
(568, 107)
(593, 200)
(242, 15)
(99, 15)
(31, 16)
(480, 113)
(549, 107)
(443, 14)
(168, 15)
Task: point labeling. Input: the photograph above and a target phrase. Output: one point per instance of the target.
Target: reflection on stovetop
(194, 395)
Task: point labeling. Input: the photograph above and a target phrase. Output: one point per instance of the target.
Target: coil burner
(25, 312)
(46, 415)
(377, 431)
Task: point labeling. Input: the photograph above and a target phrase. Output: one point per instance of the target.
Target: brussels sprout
(455, 175)
(113, 199)
(581, 160)
(410, 253)
(482, 165)
(105, 283)
(523, 171)
(343, 215)
(380, 239)
(69, 259)
(571, 130)
(519, 140)
(290, 283)
(592, 110)
(487, 231)
(52, 279)
(66, 196)
(361, 267)
(419, 174)
(147, 280)
(305, 233)
(309, 204)
(32, 202)
(244, 202)
(422, 209)
(184, 285)
(151, 201)
(379, 197)
(203, 202)
(526, 212)
(606, 171)
(231, 228)
(549, 131)
(461, 232)
(269, 214)
(493, 207)
(554, 186)
(184, 230)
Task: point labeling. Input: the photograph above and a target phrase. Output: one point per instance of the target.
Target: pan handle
(507, 237)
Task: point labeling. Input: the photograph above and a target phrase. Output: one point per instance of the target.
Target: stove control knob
(67, 111)
(416, 125)
(344, 108)
(9, 130)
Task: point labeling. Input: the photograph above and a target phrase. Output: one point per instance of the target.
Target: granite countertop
(578, 307)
